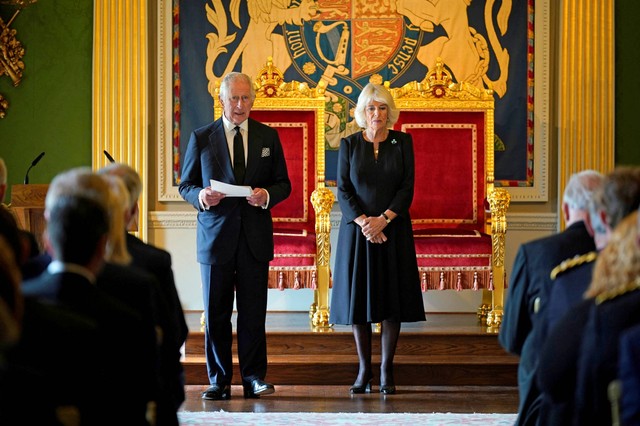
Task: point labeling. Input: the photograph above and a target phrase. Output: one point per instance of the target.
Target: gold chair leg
(322, 200)
(320, 319)
(499, 200)
(314, 305)
(485, 306)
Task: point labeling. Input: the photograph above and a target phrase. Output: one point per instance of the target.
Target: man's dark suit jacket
(557, 375)
(529, 287)
(598, 357)
(629, 374)
(127, 350)
(207, 157)
(57, 347)
(158, 263)
(567, 291)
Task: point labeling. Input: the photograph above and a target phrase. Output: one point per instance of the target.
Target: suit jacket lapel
(255, 151)
(218, 141)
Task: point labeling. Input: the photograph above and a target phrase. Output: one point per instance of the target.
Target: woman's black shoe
(387, 389)
(364, 388)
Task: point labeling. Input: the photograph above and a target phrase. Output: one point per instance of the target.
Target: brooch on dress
(393, 141)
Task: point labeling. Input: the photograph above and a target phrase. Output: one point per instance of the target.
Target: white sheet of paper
(230, 190)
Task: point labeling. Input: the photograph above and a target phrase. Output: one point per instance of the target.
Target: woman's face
(376, 113)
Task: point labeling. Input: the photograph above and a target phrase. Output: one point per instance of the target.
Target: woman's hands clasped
(372, 228)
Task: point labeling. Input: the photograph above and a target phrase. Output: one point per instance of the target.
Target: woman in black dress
(376, 274)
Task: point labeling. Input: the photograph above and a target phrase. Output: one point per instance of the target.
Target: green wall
(50, 110)
(627, 82)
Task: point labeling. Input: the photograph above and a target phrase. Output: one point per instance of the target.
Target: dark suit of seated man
(235, 234)
(629, 374)
(530, 285)
(123, 372)
(157, 262)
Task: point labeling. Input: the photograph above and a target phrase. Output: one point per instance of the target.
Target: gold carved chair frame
(437, 92)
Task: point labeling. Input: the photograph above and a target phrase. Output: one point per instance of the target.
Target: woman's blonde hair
(118, 206)
(378, 93)
(618, 264)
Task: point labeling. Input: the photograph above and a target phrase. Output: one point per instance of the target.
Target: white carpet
(320, 419)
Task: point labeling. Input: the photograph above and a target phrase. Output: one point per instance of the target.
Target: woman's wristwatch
(386, 218)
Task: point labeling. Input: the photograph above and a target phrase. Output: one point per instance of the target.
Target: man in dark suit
(123, 368)
(158, 263)
(618, 196)
(530, 283)
(235, 234)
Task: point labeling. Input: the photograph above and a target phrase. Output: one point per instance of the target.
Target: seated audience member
(530, 284)
(131, 286)
(157, 262)
(9, 229)
(135, 287)
(616, 289)
(629, 368)
(566, 345)
(30, 244)
(77, 236)
(618, 196)
(23, 242)
(9, 301)
(140, 290)
(10, 279)
(629, 375)
(3, 180)
(48, 344)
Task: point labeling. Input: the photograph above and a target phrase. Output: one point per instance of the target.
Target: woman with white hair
(376, 274)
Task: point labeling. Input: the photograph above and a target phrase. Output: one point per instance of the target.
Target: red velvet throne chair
(458, 216)
(301, 222)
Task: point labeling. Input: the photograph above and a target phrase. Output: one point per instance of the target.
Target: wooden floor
(336, 399)
(450, 363)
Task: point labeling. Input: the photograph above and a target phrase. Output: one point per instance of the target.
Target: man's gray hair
(232, 77)
(580, 189)
(79, 181)
(129, 176)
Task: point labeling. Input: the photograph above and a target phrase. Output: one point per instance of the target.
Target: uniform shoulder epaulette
(576, 260)
(612, 294)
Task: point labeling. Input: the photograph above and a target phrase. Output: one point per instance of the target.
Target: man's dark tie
(238, 156)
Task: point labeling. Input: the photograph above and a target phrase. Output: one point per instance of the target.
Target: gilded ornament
(11, 50)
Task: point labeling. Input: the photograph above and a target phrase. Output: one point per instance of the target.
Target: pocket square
(266, 152)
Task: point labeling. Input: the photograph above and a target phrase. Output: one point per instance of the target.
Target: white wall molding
(172, 220)
(547, 222)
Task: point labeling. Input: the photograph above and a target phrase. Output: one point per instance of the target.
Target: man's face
(237, 105)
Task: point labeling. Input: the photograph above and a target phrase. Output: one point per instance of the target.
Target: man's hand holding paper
(230, 190)
(259, 198)
(211, 196)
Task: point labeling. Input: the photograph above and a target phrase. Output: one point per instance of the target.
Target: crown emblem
(269, 79)
(438, 79)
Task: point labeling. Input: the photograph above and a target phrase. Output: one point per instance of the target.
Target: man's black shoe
(217, 392)
(256, 388)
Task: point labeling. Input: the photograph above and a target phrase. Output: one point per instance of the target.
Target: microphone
(33, 163)
(109, 157)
